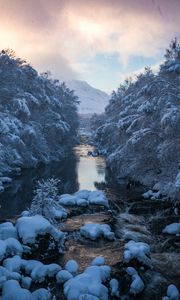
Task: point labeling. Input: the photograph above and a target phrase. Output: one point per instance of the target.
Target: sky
(99, 41)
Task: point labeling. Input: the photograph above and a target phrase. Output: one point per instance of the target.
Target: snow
(140, 131)
(137, 284)
(29, 228)
(137, 250)
(9, 275)
(13, 291)
(2, 249)
(63, 276)
(82, 194)
(7, 230)
(41, 294)
(173, 228)
(26, 282)
(68, 199)
(114, 287)
(36, 121)
(41, 271)
(13, 264)
(98, 197)
(93, 231)
(88, 284)
(172, 293)
(13, 246)
(151, 195)
(71, 266)
(98, 261)
(91, 100)
(84, 198)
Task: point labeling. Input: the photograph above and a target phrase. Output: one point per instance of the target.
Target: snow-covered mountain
(91, 99)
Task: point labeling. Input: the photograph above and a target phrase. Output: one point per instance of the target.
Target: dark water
(78, 171)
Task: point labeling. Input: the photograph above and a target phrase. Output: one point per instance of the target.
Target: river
(78, 171)
(131, 217)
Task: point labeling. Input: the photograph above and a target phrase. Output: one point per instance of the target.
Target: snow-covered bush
(38, 116)
(45, 201)
(93, 231)
(89, 284)
(139, 251)
(140, 129)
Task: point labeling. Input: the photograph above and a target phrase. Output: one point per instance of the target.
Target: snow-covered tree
(141, 127)
(45, 202)
(38, 115)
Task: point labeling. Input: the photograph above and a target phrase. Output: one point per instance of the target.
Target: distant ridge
(92, 100)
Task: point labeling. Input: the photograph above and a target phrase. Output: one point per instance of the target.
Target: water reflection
(79, 171)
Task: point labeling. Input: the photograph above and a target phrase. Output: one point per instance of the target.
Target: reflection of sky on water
(88, 173)
(89, 169)
(79, 171)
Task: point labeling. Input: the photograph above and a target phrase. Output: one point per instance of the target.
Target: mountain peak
(92, 100)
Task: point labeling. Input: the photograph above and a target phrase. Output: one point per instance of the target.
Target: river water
(132, 218)
(78, 171)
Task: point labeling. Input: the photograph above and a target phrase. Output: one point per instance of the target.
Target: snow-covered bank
(140, 129)
(38, 117)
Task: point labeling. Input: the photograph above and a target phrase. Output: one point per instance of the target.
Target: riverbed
(130, 216)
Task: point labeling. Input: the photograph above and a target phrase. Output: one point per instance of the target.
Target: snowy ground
(99, 262)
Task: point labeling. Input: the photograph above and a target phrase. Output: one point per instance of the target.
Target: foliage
(141, 127)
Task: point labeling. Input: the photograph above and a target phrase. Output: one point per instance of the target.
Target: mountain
(91, 99)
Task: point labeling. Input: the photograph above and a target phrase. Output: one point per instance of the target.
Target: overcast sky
(100, 41)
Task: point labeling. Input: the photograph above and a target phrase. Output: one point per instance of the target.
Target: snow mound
(139, 251)
(41, 294)
(137, 284)
(12, 291)
(173, 228)
(63, 276)
(152, 195)
(71, 266)
(93, 231)
(29, 228)
(172, 293)
(7, 230)
(98, 198)
(84, 198)
(98, 261)
(114, 287)
(89, 284)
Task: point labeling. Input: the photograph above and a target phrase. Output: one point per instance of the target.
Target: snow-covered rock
(88, 285)
(41, 294)
(98, 197)
(151, 195)
(7, 230)
(138, 250)
(63, 276)
(173, 228)
(84, 198)
(93, 231)
(26, 282)
(29, 228)
(137, 284)
(98, 261)
(114, 286)
(71, 266)
(172, 293)
(12, 290)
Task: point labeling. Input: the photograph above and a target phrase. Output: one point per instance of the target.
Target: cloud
(61, 34)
